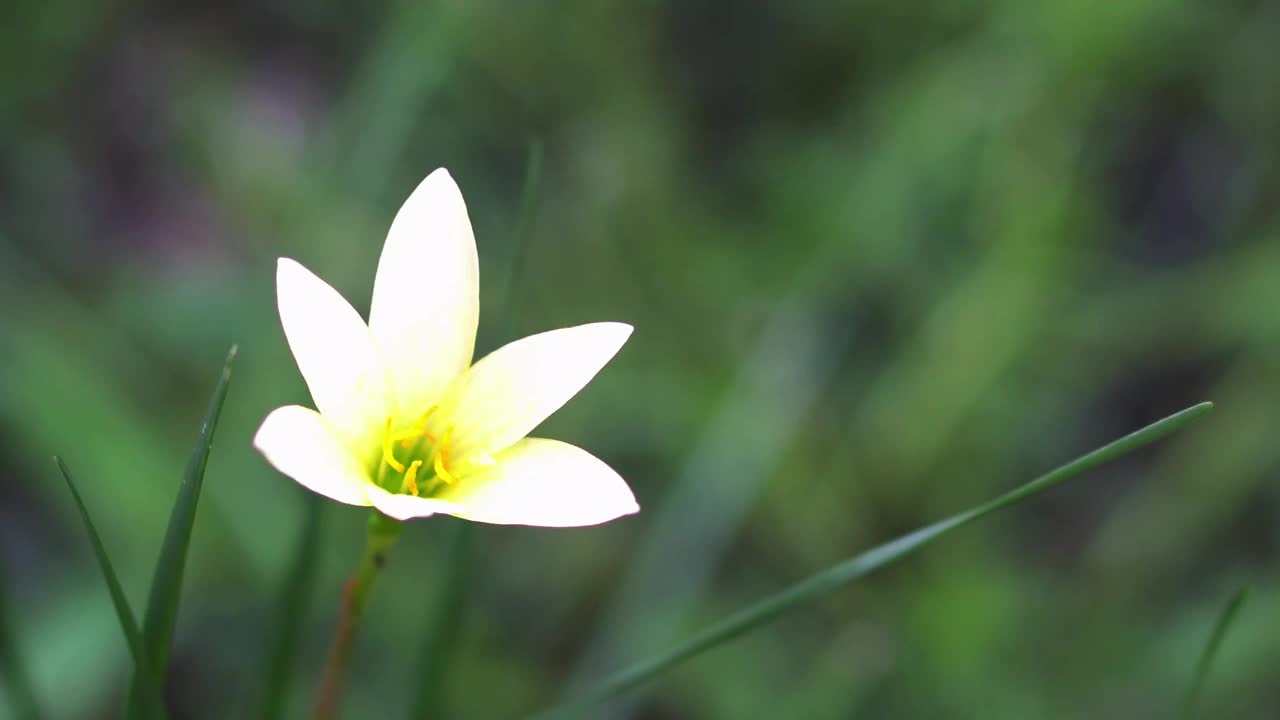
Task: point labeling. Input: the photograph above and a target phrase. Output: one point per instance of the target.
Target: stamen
(410, 482)
(388, 456)
(442, 457)
(442, 472)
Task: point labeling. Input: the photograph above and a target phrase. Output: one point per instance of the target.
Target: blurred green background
(884, 261)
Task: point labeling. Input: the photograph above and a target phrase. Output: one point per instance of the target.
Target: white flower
(406, 423)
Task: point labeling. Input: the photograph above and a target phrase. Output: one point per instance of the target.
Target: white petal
(542, 482)
(404, 507)
(336, 355)
(426, 296)
(299, 443)
(508, 393)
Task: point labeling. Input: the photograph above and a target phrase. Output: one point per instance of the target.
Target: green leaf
(442, 629)
(148, 693)
(290, 615)
(166, 583)
(839, 575)
(526, 217)
(22, 696)
(1220, 628)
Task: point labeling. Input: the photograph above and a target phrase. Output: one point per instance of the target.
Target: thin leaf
(22, 696)
(442, 630)
(166, 583)
(1220, 628)
(526, 216)
(292, 611)
(839, 575)
(149, 697)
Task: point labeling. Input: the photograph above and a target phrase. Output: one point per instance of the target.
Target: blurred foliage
(884, 261)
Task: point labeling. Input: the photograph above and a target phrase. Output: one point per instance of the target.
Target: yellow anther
(410, 482)
(442, 472)
(388, 456)
(442, 457)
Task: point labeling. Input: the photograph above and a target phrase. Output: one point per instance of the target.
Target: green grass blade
(166, 583)
(289, 617)
(22, 696)
(1220, 628)
(149, 698)
(442, 632)
(526, 217)
(442, 629)
(864, 563)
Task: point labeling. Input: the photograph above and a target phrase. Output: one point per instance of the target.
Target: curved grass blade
(1220, 628)
(22, 696)
(166, 583)
(526, 216)
(442, 631)
(149, 699)
(839, 575)
(290, 614)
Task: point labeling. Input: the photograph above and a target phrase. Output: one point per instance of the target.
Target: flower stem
(382, 534)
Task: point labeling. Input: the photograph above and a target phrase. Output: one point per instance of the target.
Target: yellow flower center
(421, 444)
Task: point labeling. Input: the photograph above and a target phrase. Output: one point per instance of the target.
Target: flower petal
(336, 355)
(299, 442)
(426, 295)
(509, 392)
(404, 507)
(541, 482)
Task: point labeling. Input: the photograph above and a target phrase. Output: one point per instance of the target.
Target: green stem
(383, 532)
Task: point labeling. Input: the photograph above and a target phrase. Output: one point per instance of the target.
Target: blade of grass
(149, 699)
(22, 696)
(782, 376)
(837, 576)
(166, 583)
(442, 630)
(290, 613)
(1220, 628)
(407, 65)
(526, 216)
(445, 620)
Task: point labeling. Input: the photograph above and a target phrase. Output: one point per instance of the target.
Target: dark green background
(884, 260)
